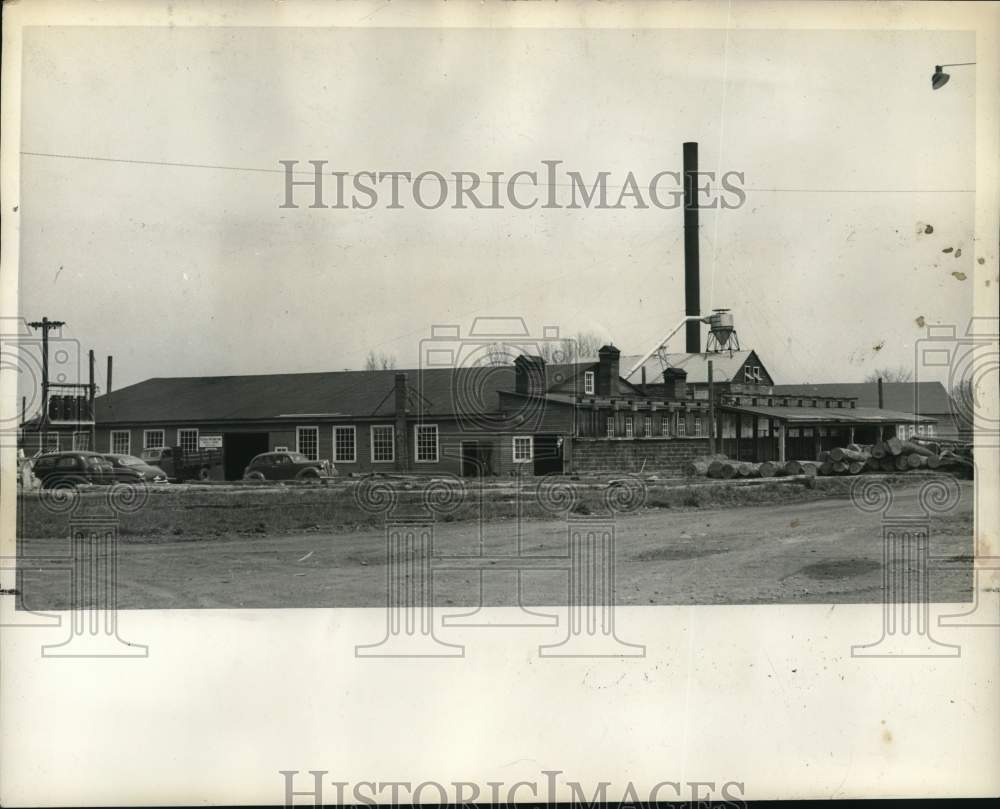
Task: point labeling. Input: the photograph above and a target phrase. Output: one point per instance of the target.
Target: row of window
(345, 444)
(647, 426)
(754, 401)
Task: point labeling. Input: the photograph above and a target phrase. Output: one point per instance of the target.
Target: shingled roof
(910, 397)
(358, 394)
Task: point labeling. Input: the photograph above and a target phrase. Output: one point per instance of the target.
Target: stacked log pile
(893, 455)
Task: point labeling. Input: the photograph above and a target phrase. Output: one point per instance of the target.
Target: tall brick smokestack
(692, 284)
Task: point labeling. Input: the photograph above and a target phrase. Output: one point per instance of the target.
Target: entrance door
(477, 459)
(238, 449)
(548, 454)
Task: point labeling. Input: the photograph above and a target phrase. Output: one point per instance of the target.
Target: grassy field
(193, 511)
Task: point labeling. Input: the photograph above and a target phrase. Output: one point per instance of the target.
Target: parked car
(59, 469)
(181, 465)
(129, 469)
(286, 466)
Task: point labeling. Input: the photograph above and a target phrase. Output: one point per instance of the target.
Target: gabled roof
(725, 366)
(338, 393)
(909, 397)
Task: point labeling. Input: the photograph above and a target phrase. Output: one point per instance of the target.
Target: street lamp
(940, 78)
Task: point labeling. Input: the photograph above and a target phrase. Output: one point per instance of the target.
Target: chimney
(692, 289)
(402, 442)
(607, 371)
(529, 375)
(675, 383)
(881, 395)
(108, 380)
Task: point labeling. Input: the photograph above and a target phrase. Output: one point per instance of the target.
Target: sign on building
(210, 442)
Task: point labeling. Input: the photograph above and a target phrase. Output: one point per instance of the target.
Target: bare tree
(380, 362)
(898, 374)
(582, 346)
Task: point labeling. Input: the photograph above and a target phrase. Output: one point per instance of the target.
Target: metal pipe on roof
(881, 395)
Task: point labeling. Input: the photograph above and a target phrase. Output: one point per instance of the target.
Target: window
(523, 448)
(611, 426)
(930, 429)
(307, 442)
(153, 439)
(682, 424)
(814, 403)
(187, 440)
(756, 373)
(427, 443)
(629, 429)
(280, 449)
(588, 382)
(121, 442)
(697, 425)
(81, 440)
(647, 427)
(383, 444)
(770, 402)
(345, 445)
(665, 425)
(828, 403)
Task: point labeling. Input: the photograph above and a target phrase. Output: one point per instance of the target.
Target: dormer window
(588, 382)
(800, 403)
(852, 404)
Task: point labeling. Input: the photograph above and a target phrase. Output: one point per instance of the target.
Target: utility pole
(45, 325)
(92, 394)
(711, 410)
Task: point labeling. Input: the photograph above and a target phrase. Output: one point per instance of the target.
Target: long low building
(529, 417)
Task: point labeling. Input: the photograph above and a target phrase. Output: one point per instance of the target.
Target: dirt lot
(820, 550)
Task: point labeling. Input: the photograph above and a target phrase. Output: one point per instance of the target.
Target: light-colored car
(287, 466)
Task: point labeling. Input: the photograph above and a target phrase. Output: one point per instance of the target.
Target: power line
(259, 170)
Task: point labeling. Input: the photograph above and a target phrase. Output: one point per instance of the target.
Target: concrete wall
(662, 455)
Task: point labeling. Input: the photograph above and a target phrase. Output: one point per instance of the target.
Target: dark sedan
(129, 469)
(286, 466)
(71, 469)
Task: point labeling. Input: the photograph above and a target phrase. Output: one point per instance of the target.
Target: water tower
(721, 332)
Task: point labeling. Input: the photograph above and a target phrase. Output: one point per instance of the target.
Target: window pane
(120, 442)
(383, 446)
(427, 442)
(345, 449)
(522, 448)
(187, 440)
(308, 442)
(154, 439)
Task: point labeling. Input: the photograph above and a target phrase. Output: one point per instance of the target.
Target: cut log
(909, 447)
(879, 450)
(847, 454)
(855, 467)
(839, 467)
(914, 460)
(728, 470)
(824, 456)
(809, 468)
(900, 463)
(715, 469)
(854, 447)
(888, 464)
(894, 446)
(696, 469)
(826, 468)
(933, 461)
(767, 469)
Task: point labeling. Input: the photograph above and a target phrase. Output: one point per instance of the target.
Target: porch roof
(830, 415)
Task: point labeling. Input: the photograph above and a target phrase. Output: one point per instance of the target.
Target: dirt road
(825, 551)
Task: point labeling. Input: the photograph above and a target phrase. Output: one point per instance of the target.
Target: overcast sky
(846, 151)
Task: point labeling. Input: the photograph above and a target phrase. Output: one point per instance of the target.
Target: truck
(181, 464)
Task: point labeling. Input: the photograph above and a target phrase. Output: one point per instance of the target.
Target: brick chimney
(675, 383)
(399, 402)
(607, 371)
(529, 375)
